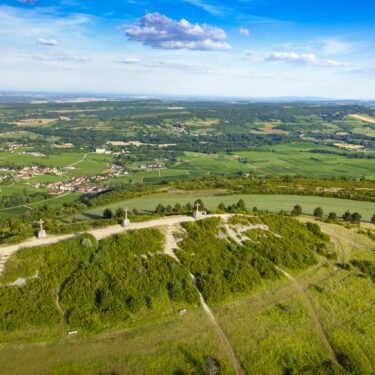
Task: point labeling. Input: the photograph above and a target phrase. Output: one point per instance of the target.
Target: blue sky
(244, 48)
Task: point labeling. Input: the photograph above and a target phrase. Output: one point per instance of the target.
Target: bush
(107, 214)
(318, 212)
(297, 210)
(332, 216)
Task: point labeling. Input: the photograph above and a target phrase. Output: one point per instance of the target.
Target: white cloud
(304, 58)
(210, 8)
(27, 2)
(47, 42)
(335, 47)
(165, 64)
(130, 60)
(158, 31)
(244, 31)
(60, 56)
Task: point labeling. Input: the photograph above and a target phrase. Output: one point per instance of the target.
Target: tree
(347, 216)
(120, 213)
(135, 211)
(297, 210)
(241, 205)
(177, 207)
(355, 218)
(189, 207)
(373, 219)
(159, 209)
(221, 207)
(318, 212)
(107, 214)
(332, 216)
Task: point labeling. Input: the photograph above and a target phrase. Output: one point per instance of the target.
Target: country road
(170, 245)
(99, 234)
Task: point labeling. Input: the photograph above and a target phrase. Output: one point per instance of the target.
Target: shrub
(297, 210)
(107, 214)
(318, 212)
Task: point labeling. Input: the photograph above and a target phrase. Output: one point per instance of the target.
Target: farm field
(281, 160)
(272, 203)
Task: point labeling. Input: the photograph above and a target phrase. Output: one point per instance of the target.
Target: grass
(273, 203)
(58, 160)
(178, 346)
(347, 320)
(273, 339)
(272, 332)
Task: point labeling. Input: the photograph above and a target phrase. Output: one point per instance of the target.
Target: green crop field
(272, 203)
(295, 159)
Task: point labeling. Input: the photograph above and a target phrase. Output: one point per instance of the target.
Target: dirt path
(169, 247)
(28, 206)
(223, 338)
(84, 157)
(61, 311)
(99, 234)
(340, 250)
(305, 297)
(312, 313)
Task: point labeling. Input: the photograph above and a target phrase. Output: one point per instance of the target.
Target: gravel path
(169, 247)
(99, 234)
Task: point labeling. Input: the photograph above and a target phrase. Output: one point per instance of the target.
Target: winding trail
(312, 313)
(308, 303)
(170, 246)
(61, 311)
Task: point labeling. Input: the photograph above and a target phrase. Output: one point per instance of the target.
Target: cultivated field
(272, 203)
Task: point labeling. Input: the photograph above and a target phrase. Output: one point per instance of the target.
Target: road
(170, 222)
(170, 245)
(99, 234)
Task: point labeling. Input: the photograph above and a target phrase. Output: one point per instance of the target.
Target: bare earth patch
(368, 119)
(35, 121)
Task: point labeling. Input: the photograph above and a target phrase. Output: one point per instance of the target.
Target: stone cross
(126, 213)
(41, 222)
(197, 206)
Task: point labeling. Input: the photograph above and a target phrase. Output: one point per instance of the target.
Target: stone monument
(199, 214)
(125, 220)
(42, 233)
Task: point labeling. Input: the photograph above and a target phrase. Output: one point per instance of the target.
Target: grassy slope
(175, 347)
(277, 322)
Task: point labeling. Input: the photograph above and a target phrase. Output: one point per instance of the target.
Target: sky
(237, 48)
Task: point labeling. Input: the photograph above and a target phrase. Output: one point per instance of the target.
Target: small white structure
(100, 150)
(199, 214)
(125, 220)
(42, 233)
(183, 312)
